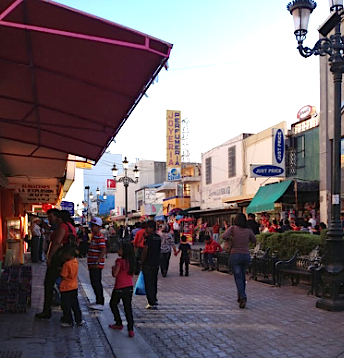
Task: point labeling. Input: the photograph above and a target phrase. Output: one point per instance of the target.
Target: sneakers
(186, 274)
(97, 307)
(211, 269)
(181, 274)
(116, 327)
(205, 269)
(81, 323)
(131, 334)
(151, 307)
(43, 315)
(66, 325)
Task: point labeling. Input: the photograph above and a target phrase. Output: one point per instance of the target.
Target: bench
(222, 262)
(262, 264)
(297, 266)
(196, 256)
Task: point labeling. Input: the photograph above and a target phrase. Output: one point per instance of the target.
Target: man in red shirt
(96, 262)
(139, 243)
(216, 231)
(211, 247)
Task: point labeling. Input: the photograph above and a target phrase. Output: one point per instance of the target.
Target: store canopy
(69, 80)
(267, 195)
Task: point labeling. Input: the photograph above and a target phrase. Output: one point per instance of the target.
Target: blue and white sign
(277, 168)
(173, 174)
(69, 206)
(266, 170)
(278, 148)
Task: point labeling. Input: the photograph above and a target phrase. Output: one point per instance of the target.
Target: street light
(126, 181)
(332, 273)
(87, 188)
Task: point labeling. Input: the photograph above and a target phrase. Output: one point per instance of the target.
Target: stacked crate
(15, 289)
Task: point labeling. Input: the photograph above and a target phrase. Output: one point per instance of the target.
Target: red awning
(69, 80)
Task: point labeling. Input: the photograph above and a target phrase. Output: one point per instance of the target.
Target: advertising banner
(110, 184)
(173, 145)
(69, 206)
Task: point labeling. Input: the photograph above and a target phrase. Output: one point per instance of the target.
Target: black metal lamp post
(87, 188)
(332, 273)
(126, 181)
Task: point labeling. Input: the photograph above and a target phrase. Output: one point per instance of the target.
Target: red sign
(110, 184)
(305, 112)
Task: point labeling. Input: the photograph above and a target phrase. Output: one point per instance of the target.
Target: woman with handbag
(237, 239)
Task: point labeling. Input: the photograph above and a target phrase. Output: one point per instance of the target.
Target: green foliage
(285, 245)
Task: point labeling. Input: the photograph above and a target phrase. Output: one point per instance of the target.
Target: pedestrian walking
(123, 271)
(167, 244)
(139, 243)
(60, 238)
(150, 263)
(69, 289)
(240, 235)
(185, 250)
(96, 262)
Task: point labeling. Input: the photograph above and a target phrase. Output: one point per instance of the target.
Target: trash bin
(14, 246)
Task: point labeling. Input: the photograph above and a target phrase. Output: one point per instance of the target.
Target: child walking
(123, 271)
(69, 289)
(184, 248)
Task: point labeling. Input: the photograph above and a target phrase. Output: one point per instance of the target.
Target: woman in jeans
(167, 243)
(241, 236)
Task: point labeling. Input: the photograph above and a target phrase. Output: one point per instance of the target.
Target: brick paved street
(198, 316)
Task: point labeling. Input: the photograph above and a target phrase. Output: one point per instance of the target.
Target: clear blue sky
(234, 68)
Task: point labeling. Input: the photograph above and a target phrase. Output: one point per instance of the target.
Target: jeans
(184, 260)
(150, 275)
(51, 275)
(69, 303)
(138, 253)
(126, 295)
(40, 248)
(165, 262)
(96, 282)
(216, 237)
(208, 260)
(240, 263)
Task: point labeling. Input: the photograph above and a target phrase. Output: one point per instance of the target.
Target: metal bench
(304, 266)
(196, 257)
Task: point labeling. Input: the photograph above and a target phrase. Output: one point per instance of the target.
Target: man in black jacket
(252, 224)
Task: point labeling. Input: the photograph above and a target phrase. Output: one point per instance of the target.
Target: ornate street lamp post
(332, 272)
(126, 181)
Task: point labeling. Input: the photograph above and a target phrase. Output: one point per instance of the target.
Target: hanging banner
(173, 145)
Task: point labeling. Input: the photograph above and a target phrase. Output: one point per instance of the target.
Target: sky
(234, 68)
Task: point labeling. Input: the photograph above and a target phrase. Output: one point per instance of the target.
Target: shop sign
(83, 165)
(305, 112)
(305, 125)
(213, 194)
(150, 196)
(36, 191)
(110, 184)
(173, 145)
(152, 209)
(69, 206)
(266, 170)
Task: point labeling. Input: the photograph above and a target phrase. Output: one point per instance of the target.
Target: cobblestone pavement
(23, 336)
(198, 316)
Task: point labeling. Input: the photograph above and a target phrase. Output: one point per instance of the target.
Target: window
(208, 170)
(300, 152)
(231, 162)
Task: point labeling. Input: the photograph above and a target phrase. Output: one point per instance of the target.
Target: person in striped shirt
(96, 262)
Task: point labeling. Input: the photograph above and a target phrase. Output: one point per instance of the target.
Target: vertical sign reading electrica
(278, 148)
(173, 145)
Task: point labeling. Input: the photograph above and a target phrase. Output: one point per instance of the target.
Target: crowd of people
(145, 247)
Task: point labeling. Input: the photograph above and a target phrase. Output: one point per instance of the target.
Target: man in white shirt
(312, 221)
(35, 239)
(176, 231)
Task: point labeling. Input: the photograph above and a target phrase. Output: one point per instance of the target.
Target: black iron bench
(196, 257)
(299, 266)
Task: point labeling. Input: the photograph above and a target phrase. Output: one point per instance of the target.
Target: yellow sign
(83, 165)
(173, 145)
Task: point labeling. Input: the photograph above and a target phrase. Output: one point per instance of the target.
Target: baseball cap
(96, 221)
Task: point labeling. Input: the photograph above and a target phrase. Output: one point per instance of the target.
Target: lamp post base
(330, 304)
